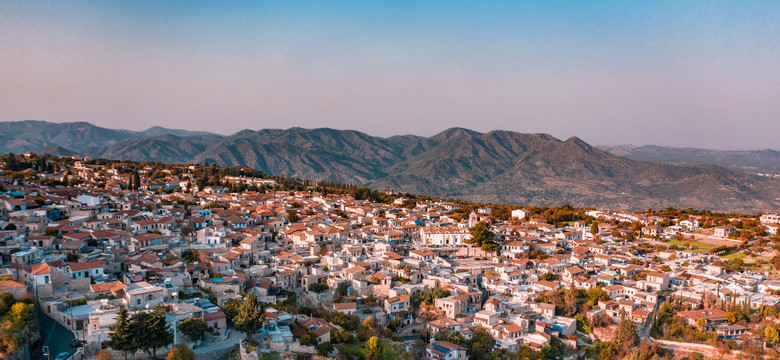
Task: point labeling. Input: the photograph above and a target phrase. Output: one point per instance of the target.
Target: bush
(318, 287)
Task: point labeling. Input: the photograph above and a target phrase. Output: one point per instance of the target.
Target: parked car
(62, 356)
(76, 343)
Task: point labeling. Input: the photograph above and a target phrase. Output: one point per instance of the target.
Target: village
(336, 272)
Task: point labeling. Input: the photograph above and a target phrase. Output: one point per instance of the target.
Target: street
(55, 336)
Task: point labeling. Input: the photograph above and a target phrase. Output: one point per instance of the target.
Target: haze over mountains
(499, 166)
(765, 161)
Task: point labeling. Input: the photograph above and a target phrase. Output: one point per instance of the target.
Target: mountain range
(762, 161)
(498, 166)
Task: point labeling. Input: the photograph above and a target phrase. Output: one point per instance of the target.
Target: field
(697, 246)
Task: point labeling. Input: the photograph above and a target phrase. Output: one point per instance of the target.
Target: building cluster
(85, 251)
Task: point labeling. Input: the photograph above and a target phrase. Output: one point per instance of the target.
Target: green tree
(292, 216)
(552, 349)
(342, 289)
(482, 237)
(309, 338)
(249, 317)
(428, 297)
(480, 344)
(479, 234)
(450, 336)
(489, 245)
(626, 336)
(150, 331)
(136, 181)
(10, 227)
(318, 287)
(324, 348)
(595, 295)
(374, 348)
(194, 328)
(771, 336)
(190, 256)
(121, 337)
(594, 228)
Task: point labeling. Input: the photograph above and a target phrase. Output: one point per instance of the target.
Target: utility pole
(70, 305)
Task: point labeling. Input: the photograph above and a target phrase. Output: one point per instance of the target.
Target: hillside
(765, 161)
(33, 135)
(499, 166)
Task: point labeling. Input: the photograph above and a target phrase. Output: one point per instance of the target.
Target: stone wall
(294, 347)
(244, 355)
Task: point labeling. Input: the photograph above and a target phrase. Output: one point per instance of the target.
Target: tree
(318, 287)
(194, 328)
(249, 318)
(190, 256)
(489, 245)
(772, 336)
(454, 337)
(150, 331)
(549, 276)
(735, 264)
(309, 338)
(342, 289)
(552, 349)
(292, 216)
(595, 295)
(482, 236)
(480, 344)
(776, 262)
(103, 355)
(180, 352)
(10, 227)
(428, 297)
(19, 313)
(173, 354)
(594, 228)
(374, 348)
(136, 181)
(324, 348)
(121, 338)
(626, 333)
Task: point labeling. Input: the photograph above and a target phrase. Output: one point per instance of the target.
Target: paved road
(55, 336)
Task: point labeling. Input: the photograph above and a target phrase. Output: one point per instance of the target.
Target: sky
(675, 73)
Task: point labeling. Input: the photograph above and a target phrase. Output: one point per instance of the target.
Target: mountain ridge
(497, 166)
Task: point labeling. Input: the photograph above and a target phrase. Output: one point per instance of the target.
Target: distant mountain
(165, 148)
(34, 135)
(499, 166)
(57, 151)
(764, 161)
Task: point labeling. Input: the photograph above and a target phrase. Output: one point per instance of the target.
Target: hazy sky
(698, 73)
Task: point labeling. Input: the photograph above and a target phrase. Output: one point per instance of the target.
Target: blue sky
(680, 73)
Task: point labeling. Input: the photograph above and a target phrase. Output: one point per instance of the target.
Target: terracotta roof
(41, 269)
(214, 316)
(10, 284)
(113, 286)
(94, 264)
(344, 306)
